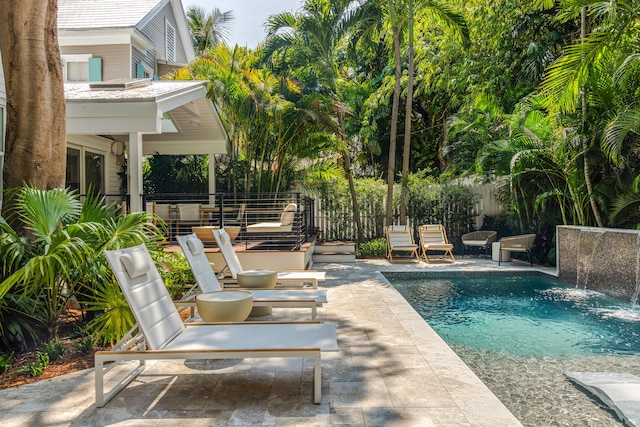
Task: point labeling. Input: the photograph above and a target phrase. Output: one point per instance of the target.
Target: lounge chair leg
(317, 380)
(499, 257)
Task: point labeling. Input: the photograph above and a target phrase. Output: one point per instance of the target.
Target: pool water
(519, 334)
(523, 315)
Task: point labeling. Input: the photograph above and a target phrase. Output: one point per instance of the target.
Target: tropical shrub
(374, 248)
(54, 348)
(5, 362)
(85, 345)
(51, 250)
(35, 369)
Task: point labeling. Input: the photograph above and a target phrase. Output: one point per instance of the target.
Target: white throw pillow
(195, 245)
(135, 264)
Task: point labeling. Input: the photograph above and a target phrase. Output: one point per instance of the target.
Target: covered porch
(129, 119)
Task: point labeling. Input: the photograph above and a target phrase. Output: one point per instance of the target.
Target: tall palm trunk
(35, 150)
(407, 124)
(349, 175)
(391, 171)
(585, 144)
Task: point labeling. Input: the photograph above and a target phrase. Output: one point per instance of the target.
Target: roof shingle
(86, 14)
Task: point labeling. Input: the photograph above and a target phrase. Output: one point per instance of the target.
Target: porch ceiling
(140, 110)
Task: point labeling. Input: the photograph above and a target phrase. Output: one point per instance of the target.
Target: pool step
(334, 252)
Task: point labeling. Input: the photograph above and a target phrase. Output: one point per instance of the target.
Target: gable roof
(81, 16)
(86, 14)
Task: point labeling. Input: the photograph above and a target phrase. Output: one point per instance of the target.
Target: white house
(132, 43)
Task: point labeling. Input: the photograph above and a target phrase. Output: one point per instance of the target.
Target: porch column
(134, 171)
(212, 178)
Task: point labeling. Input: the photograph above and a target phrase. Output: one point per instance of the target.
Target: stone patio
(391, 370)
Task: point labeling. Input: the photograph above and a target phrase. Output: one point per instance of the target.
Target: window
(75, 68)
(85, 169)
(170, 41)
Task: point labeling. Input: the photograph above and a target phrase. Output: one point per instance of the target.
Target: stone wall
(600, 259)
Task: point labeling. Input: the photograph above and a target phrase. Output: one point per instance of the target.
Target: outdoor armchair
(479, 239)
(521, 243)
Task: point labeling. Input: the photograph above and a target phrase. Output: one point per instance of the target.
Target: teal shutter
(95, 69)
(139, 70)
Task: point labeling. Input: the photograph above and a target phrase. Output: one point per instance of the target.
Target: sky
(250, 15)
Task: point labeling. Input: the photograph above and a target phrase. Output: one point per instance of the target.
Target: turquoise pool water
(522, 315)
(519, 334)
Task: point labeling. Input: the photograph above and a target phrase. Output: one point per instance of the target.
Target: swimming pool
(519, 334)
(523, 315)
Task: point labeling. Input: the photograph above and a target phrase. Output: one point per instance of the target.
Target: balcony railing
(260, 220)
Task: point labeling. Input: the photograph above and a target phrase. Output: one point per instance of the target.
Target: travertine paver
(391, 370)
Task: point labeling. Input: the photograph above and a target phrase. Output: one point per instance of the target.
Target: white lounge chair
(433, 237)
(160, 334)
(287, 218)
(399, 239)
(234, 266)
(207, 281)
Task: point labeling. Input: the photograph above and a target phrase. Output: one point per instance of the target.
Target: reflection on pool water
(524, 315)
(520, 333)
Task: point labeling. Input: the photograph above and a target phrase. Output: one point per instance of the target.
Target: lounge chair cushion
(288, 214)
(223, 236)
(135, 264)
(195, 246)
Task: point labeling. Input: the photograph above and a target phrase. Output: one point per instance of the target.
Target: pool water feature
(520, 333)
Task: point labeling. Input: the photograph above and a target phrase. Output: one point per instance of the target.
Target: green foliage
(453, 206)
(176, 174)
(51, 250)
(35, 369)
(176, 273)
(85, 345)
(54, 349)
(374, 248)
(5, 362)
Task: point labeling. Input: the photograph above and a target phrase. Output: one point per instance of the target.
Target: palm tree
(455, 23)
(61, 249)
(209, 29)
(576, 74)
(309, 42)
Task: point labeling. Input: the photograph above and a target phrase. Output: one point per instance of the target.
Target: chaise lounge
(159, 333)
(207, 281)
(235, 267)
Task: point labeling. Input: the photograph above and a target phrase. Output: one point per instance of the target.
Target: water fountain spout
(586, 266)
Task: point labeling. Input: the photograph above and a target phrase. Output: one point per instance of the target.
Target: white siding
(154, 30)
(100, 146)
(115, 58)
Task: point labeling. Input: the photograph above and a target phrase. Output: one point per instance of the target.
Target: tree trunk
(391, 171)
(407, 124)
(585, 145)
(349, 175)
(35, 150)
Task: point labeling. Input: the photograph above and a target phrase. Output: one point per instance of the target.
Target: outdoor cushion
(135, 264)
(195, 246)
